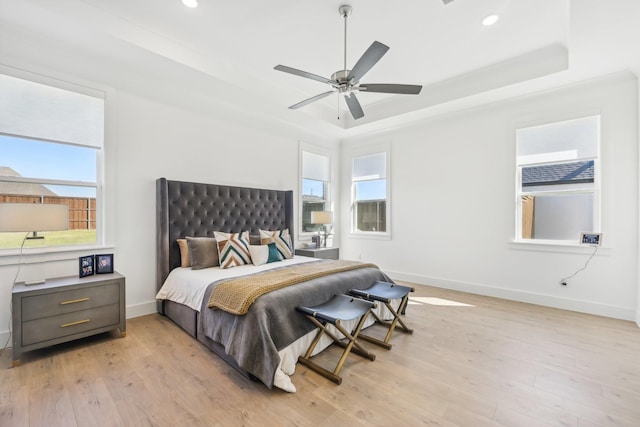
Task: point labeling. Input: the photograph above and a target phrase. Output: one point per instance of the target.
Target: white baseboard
(616, 312)
(4, 336)
(142, 309)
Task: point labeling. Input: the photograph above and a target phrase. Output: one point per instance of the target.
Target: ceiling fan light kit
(190, 3)
(346, 82)
(489, 20)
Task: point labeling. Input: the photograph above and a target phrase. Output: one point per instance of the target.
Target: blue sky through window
(314, 188)
(48, 160)
(371, 190)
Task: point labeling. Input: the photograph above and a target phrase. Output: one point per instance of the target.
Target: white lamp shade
(33, 217)
(321, 217)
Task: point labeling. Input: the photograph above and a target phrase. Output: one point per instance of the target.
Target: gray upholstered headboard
(192, 209)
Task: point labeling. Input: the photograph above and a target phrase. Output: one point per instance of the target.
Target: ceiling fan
(347, 82)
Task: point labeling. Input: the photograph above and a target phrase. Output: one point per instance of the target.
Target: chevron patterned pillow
(281, 238)
(233, 248)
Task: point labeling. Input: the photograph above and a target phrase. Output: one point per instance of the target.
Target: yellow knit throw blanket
(236, 295)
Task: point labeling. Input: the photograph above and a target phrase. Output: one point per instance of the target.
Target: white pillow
(259, 254)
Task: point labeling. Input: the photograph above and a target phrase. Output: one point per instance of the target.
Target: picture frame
(104, 263)
(85, 266)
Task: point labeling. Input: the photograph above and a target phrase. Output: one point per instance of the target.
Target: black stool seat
(385, 292)
(339, 309)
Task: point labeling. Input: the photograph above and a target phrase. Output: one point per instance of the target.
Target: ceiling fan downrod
(345, 11)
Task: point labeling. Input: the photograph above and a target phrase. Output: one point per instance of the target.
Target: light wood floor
(472, 361)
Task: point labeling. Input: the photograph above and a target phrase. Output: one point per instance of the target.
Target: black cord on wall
(563, 281)
(13, 285)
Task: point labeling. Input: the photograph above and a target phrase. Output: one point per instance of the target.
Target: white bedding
(187, 287)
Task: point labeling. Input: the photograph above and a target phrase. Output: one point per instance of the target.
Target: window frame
(558, 190)
(88, 89)
(312, 149)
(370, 150)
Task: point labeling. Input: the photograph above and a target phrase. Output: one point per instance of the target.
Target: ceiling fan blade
(368, 60)
(310, 100)
(354, 106)
(301, 73)
(391, 88)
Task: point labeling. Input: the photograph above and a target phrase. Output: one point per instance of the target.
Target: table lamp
(324, 218)
(33, 217)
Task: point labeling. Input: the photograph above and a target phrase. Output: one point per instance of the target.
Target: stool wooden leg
(306, 360)
(347, 349)
(376, 341)
(392, 325)
(401, 309)
(316, 339)
(351, 346)
(354, 345)
(320, 370)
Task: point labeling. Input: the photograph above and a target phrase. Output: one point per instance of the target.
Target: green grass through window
(51, 238)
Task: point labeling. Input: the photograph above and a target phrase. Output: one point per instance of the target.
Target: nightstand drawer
(48, 328)
(46, 305)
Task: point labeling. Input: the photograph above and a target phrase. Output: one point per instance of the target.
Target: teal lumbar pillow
(274, 255)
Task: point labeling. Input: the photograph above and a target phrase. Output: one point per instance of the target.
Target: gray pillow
(203, 252)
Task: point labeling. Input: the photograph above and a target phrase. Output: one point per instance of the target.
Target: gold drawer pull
(73, 301)
(78, 322)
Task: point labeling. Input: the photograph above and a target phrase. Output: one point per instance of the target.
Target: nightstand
(324, 253)
(65, 309)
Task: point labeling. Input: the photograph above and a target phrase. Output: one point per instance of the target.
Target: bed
(264, 343)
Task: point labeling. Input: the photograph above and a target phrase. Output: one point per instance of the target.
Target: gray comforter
(272, 323)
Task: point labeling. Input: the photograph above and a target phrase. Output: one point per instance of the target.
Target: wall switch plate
(591, 239)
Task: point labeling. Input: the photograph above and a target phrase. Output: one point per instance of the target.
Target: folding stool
(385, 292)
(335, 311)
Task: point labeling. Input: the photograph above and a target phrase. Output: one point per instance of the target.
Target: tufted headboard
(192, 209)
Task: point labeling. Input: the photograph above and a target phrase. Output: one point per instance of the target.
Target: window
(370, 193)
(315, 188)
(50, 140)
(557, 180)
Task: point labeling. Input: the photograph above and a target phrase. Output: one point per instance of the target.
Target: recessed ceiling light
(190, 3)
(490, 20)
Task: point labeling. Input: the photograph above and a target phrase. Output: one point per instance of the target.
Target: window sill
(370, 235)
(34, 255)
(557, 246)
(308, 234)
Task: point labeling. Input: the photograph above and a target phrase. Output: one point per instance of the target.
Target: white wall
(453, 183)
(153, 130)
(156, 140)
(637, 317)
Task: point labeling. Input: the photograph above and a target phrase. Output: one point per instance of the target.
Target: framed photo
(85, 265)
(104, 264)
